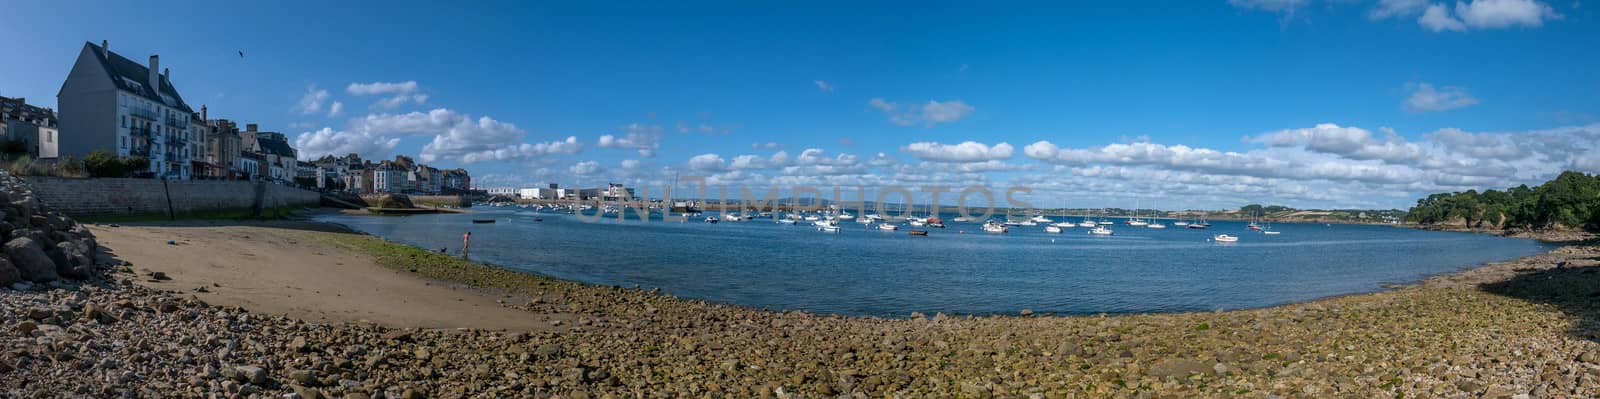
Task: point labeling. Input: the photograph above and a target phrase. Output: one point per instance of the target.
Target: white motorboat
(962, 219)
(1155, 226)
(1180, 224)
(1105, 223)
(1086, 223)
(1064, 225)
(888, 227)
(846, 216)
(1041, 219)
(1101, 231)
(786, 221)
(1052, 229)
(732, 217)
(1224, 238)
(813, 218)
(917, 222)
(995, 227)
(1270, 233)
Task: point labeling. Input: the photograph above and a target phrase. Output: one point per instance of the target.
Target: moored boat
(917, 232)
(888, 227)
(1101, 231)
(994, 227)
(1224, 238)
(1052, 229)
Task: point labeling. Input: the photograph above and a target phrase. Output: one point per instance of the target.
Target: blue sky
(1198, 103)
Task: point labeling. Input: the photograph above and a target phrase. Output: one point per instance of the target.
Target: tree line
(1572, 200)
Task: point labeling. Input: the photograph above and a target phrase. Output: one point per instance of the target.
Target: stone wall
(107, 197)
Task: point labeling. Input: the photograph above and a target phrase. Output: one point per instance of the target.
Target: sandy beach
(1510, 329)
(271, 268)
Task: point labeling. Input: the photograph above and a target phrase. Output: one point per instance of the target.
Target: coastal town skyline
(1351, 118)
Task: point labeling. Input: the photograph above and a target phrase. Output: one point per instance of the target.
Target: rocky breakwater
(41, 245)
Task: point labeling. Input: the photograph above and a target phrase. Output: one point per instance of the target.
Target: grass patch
(430, 264)
(221, 214)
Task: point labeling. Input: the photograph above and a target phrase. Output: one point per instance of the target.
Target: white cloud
(311, 102)
(767, 145)
(1426, 98)
(1486, 14)
(630, 164)
(335, 109)
(823, 85)
(707, 163)
(928, 114)
(645, 139)
(327, 141)
(462, 138)
(395, 93)
(381, 88)
(1396, 8)
(585, 168)
(1438, 19)
(969, 151)
(1489, 14)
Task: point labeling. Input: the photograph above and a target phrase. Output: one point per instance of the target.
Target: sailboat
(1155, 224)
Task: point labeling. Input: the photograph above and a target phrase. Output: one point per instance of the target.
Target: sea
(864, 271)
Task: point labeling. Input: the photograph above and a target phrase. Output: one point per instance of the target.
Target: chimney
(166, 74)
(155, 68)
(203, 113)
(250, 128)
(105, 48)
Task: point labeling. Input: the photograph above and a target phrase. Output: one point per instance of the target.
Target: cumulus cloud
(456, 136)
(395, 93)
(1426, 98)
(335, 109)
(327, 141)
(928, 114)
(707, 163)
(311, 102)
(1486, 14)
(645, 139)
(585, 168)
(969, 151)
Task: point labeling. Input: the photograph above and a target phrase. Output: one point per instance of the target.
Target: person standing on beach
(466, 242)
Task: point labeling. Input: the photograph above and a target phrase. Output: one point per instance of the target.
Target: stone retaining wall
(107, 197)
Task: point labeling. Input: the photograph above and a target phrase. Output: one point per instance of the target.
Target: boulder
(73, 260)
(30, 259)
(8, 273)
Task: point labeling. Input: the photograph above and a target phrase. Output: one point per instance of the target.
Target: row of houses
(612, 192)
(114, 104)
(399, 176)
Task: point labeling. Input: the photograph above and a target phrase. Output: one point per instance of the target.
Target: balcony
(140, 152)
(143, 113)
(176, 122)
(140, 132)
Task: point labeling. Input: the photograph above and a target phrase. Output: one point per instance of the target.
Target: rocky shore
(1523, 328)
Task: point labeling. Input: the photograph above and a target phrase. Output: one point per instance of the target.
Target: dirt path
(265, 269)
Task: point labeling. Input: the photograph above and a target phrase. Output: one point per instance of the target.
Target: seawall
(111, 197)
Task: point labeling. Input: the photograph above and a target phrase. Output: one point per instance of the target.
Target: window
(124, 121)
(124, 141)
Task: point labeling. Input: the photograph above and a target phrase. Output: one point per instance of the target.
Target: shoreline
(1494, 324)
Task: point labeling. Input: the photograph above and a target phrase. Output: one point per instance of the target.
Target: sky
(1192, 104)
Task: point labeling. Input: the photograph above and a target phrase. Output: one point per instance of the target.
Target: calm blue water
(862, 271)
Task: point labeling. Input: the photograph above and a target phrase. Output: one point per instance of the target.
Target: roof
(124, 70)
(275, 147)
